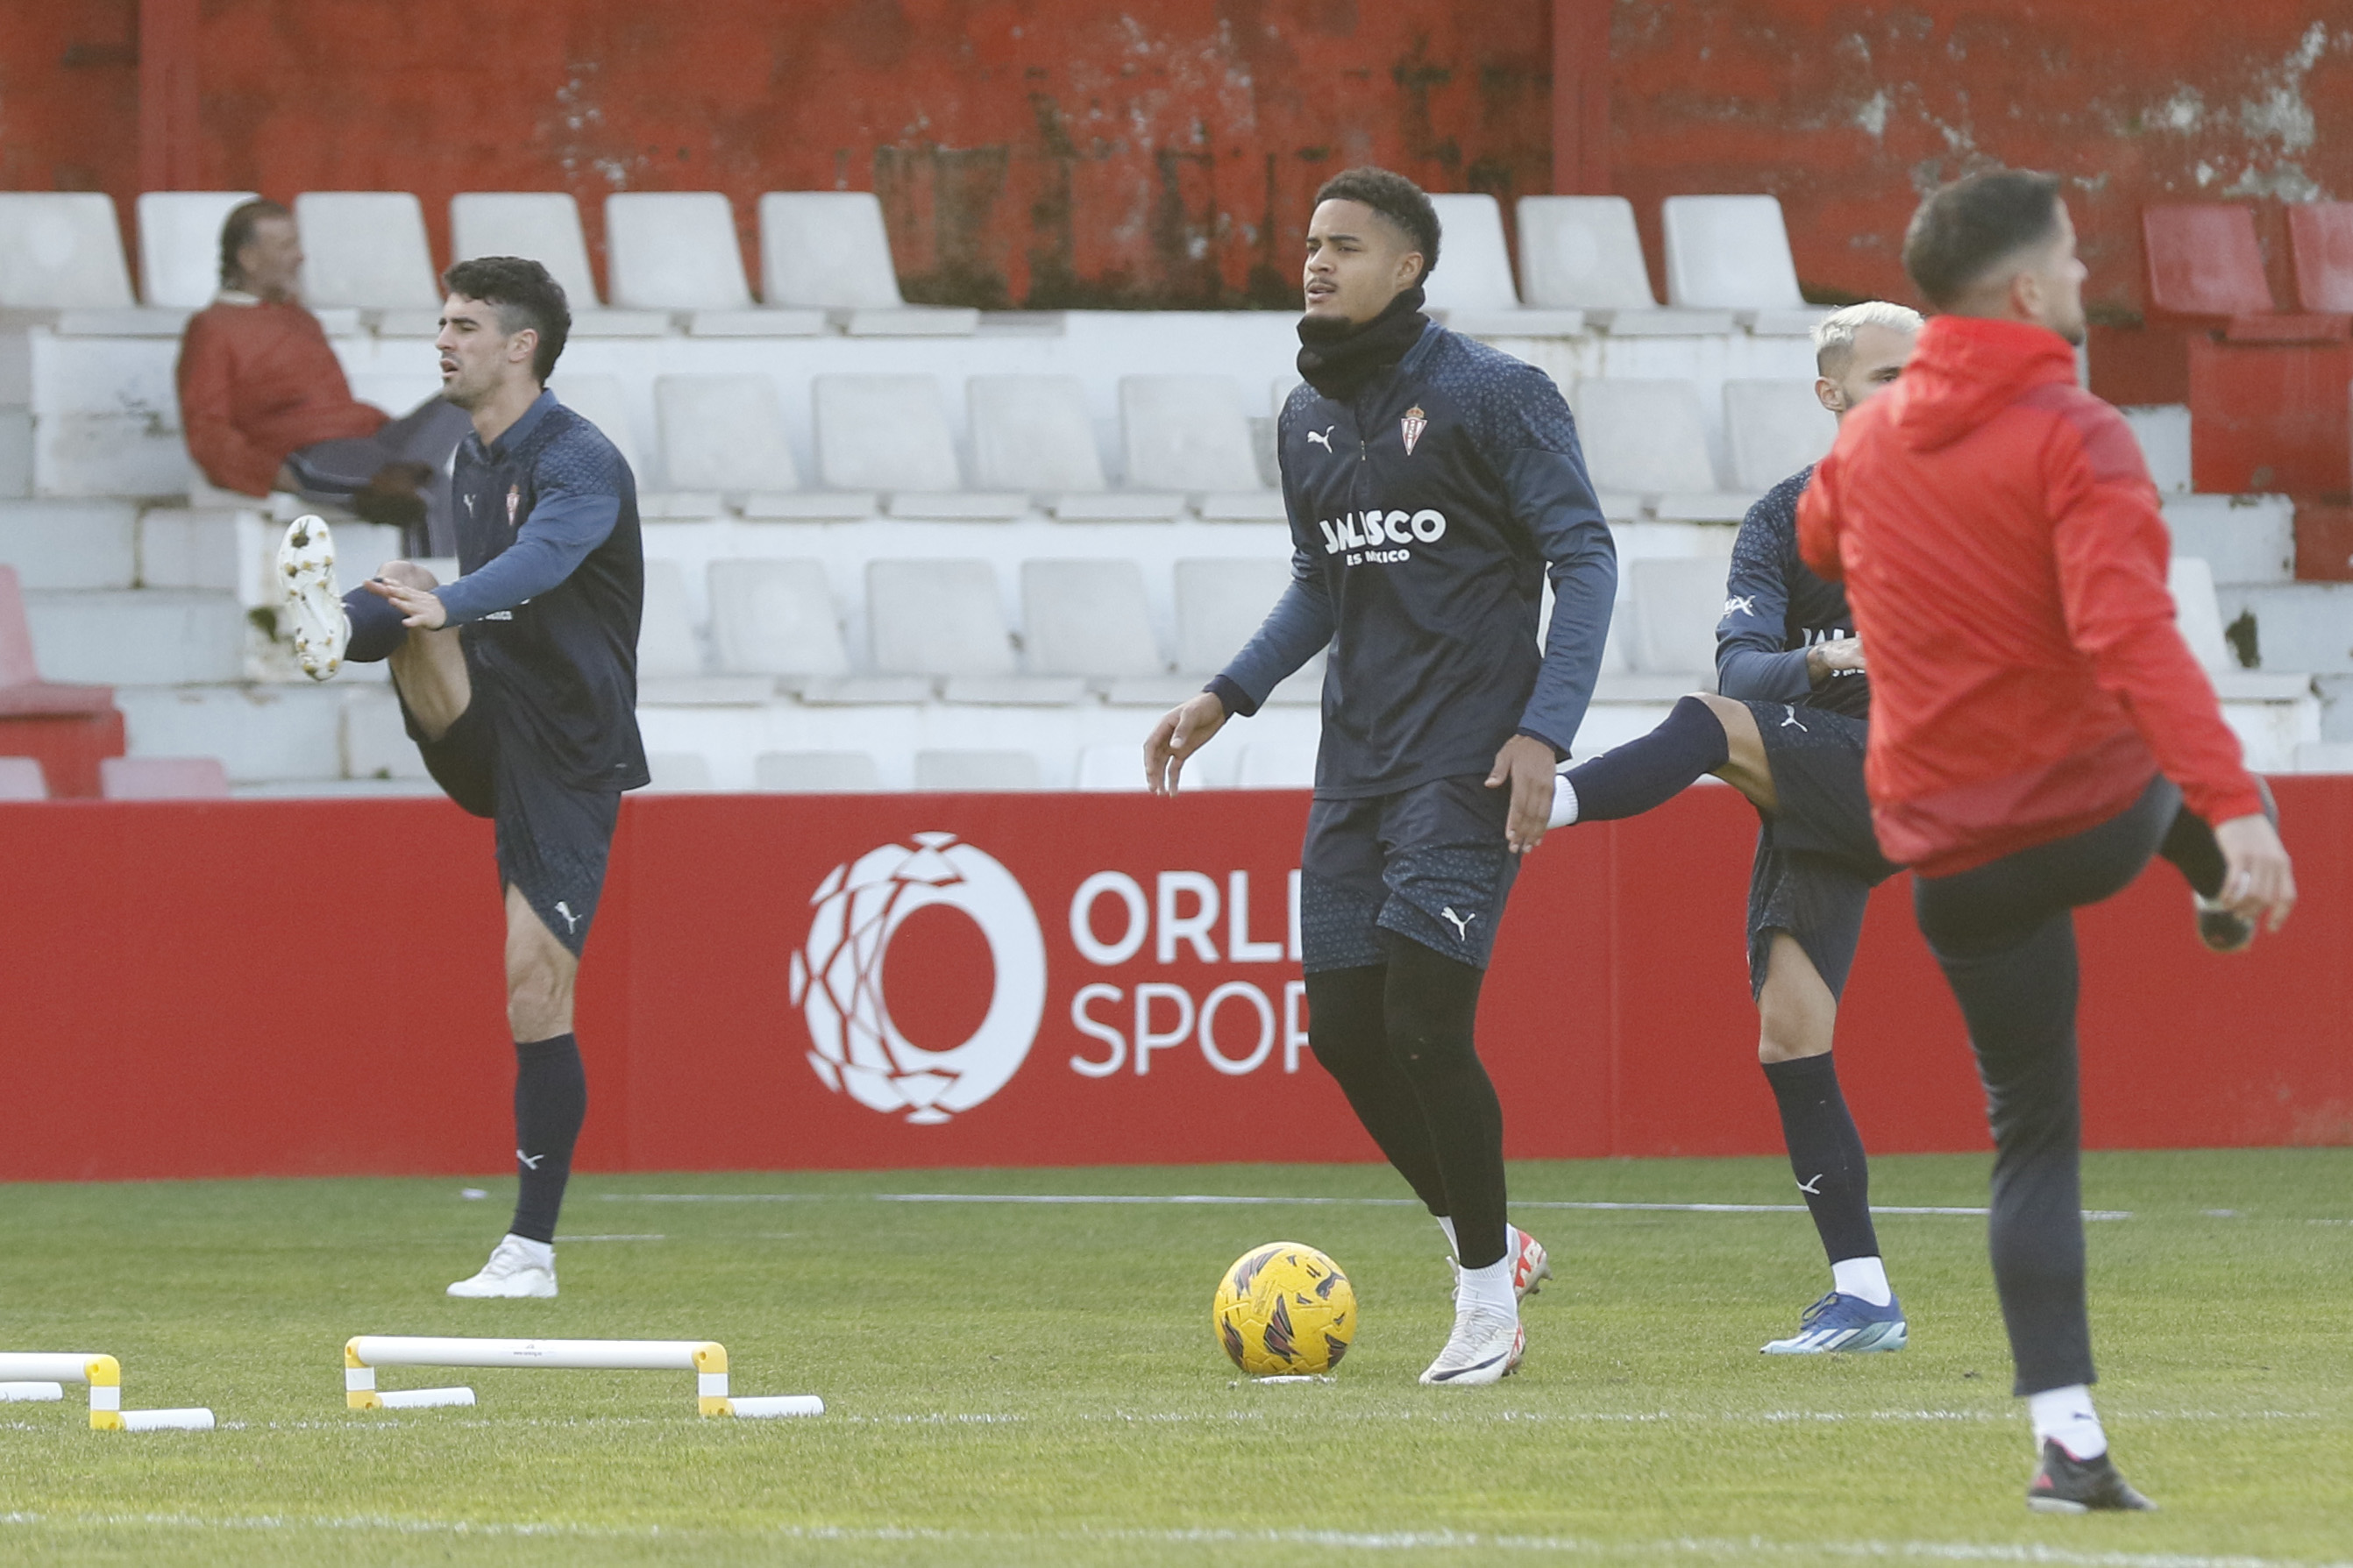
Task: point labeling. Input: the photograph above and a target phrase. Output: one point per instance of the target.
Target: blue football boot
(1839, 1322)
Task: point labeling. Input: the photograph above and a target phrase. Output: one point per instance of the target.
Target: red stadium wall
(311, 988)
(1052, 152)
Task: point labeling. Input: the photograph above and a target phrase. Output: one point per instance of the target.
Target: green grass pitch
(1037, 1384)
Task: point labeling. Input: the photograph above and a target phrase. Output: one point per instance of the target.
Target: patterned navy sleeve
(578, 480)
(1529, 434)
(1750, 661)
(1302, 623)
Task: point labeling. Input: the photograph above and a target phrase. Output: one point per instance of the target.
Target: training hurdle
(42, 1376)
(364, 1353)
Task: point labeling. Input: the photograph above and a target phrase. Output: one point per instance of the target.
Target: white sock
(1446, 1223)
(1489, 1288)
(539, 1252)
(1863, 1277)
(1563, 802)
(2064, 1416)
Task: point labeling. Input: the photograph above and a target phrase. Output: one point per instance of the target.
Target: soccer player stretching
(2038, 727)
(1432, 483)
(518, 685)
(1787, 732)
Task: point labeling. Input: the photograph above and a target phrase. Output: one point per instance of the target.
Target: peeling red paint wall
(1055, 153)
(1850, 109)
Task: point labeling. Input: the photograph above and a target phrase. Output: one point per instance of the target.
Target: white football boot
(1531, 1264)
(314, 611)
(1485, 1347)
(518, 1267)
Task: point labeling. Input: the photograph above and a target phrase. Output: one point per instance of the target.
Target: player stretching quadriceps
(2038, 727)
(518, 682)
(1785, 728)
(1432, 485)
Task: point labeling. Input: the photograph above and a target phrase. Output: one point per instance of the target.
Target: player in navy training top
(518, 682)
(1434, 485)
(1787, 732)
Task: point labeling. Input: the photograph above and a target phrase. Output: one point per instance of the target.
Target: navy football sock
(1826, 1154)
(551, 1100)
(376, 631)
(1653, 770)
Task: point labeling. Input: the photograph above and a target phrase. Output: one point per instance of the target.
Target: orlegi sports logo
(836, 979)
(1381, 537)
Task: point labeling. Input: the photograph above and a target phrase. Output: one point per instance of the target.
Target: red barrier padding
(305, 988)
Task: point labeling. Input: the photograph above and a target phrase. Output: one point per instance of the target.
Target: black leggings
(2005, 936)
(1396, 1037)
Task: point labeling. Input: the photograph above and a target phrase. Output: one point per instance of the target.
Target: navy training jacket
(1426, 515)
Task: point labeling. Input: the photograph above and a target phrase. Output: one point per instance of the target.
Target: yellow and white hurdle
(364, 1353)
(43, 1374)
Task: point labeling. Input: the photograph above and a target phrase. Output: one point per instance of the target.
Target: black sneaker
(2065, 1484)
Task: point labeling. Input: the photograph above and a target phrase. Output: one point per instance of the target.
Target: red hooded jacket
(2005, 558)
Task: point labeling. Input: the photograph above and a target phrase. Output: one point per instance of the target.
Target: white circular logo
(836, 979)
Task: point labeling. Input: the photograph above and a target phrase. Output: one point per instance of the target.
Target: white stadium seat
(937, 617)
(599, 400)
(179, 245)
(674, 250)
(891, 433)
(1773, 428)
(21, 778)
(1221, 604)
(1190, 433)
(1471, 286)
(1033, 433)
(163, 778)
(61, 250)
(1584, 253)
(775, 618)
(1732, 253)
(1647, 439)
(679, 772)
(538, 226)
(366, 249)
(1087, 618)
(666, 647)
(723, 433)
(1285, 764)
(1676, 605)
(976, 770)
(1113, 768)
(814, 773)
(2198, 613)
(829, 250)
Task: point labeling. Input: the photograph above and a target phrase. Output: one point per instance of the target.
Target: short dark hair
(1967, 228)
(1395, 198)
(525, 295)
(236, 232)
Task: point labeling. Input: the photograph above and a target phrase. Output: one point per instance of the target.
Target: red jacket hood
(1966, 369)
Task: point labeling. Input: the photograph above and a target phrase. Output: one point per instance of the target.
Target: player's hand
(1182, 731)
(420, 608)
(2257, 881)
(1526, 764)
(1825, 659)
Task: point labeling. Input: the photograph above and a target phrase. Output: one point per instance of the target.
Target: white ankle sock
(1446, 1223)
(1563, 802)
(540, 1252)
(2064, 1416)
(1863, 1278)
(1489, 1288)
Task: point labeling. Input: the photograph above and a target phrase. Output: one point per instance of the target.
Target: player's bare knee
(407, 574)
(539, 996)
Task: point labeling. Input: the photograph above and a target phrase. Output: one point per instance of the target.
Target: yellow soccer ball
(1284, 1308)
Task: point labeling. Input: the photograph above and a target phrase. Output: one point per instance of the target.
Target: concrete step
(2163, 431)
(259, 732)
(2245, 539)
(2299, 627)
(375, 742)
(138, 637)
(69, 544)
(234, 550)
(107, 455)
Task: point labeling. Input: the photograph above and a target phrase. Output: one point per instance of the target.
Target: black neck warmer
(1338, 358)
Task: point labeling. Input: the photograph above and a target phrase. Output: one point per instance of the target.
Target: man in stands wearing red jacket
(2038, 727)
(266, 407)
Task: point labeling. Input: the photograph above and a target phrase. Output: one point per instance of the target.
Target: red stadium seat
(2203, 261)
(164, 778)
(2320, 240)
(68, 728)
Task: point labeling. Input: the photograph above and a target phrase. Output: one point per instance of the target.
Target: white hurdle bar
(41, 1375)
(364, 1353)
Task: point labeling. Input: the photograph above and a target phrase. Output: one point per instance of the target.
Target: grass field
(1037, 1384)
